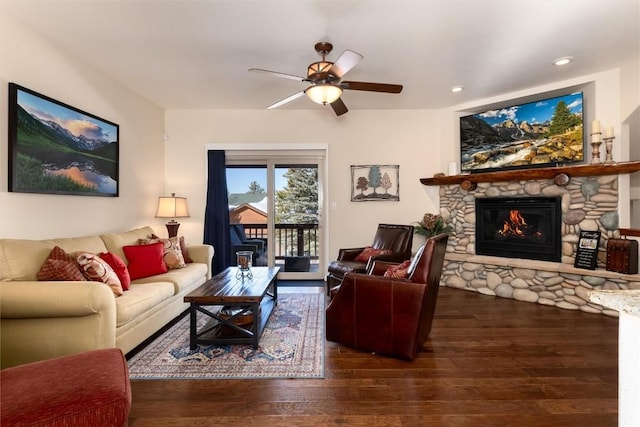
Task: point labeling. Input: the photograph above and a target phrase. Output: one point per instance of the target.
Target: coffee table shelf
(258, 294)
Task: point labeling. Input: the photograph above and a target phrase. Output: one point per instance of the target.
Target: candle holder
(608, 145)
(244, 259)
(595, 145)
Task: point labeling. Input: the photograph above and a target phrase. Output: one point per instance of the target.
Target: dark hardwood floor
(489, 362)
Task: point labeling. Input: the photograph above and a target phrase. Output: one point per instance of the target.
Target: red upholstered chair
(385, 315)
(83, 389)
(390, 237)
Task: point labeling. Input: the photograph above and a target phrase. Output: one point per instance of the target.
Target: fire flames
(515, 226)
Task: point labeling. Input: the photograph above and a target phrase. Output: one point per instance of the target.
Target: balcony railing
(290, 239)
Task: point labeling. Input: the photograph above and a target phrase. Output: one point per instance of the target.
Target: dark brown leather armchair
(389, 316)
(396, 238)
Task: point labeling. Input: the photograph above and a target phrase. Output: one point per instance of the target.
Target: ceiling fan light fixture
(324, 93)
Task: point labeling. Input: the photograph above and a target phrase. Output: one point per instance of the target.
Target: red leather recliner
(385, 315)
(396, 238)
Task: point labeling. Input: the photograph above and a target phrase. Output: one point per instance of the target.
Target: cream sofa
(40, 319)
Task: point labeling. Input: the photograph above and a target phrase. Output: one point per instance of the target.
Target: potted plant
(432, 225)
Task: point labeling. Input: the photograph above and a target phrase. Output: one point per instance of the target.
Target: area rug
(291, 346)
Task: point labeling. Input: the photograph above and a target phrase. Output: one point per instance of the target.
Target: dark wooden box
(622, 256)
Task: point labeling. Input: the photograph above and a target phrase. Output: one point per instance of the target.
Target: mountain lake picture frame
(55, 148)
(375, 183)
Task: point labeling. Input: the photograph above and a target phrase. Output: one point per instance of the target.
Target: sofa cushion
(119, 267)
(140, 298)
(98, 270)
(93, 244)
(181, 279)
(115, 241)
(60, 265)
(172, 254)
(145, 260)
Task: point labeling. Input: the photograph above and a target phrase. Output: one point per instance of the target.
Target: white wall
(33, 62)
(410, 139)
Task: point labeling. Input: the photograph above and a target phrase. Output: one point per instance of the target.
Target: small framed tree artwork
(375, 183)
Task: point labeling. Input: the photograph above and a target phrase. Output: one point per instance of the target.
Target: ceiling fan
(325, 78)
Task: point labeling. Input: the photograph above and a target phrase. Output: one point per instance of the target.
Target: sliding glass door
(277, 203)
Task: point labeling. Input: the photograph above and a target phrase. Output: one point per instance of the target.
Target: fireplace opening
(519, 227)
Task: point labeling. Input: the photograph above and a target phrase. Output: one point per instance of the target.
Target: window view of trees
(295, 208)
(297, 202)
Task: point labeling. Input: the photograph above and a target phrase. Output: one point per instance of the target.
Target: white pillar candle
(595, 126)
(608, 133)
(453, 168)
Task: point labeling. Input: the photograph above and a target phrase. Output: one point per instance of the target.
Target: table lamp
(172, 207)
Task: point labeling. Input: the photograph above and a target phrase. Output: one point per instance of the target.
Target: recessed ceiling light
(456, 89)
(563, 61)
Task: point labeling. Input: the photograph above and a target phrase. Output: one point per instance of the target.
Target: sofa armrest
(202, 254)
(35, 299)
(349, 254)
(41, 320)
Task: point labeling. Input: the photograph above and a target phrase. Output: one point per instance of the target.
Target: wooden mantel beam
(537, 173)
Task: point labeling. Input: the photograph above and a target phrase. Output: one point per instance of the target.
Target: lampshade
(324, 93)
(172, 207)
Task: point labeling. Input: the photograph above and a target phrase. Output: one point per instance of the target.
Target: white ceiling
(195, 54)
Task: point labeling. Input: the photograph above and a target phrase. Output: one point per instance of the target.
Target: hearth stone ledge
(548, 283)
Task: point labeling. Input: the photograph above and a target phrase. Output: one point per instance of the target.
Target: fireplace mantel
(536, 173)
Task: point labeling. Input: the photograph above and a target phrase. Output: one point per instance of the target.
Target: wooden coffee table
(256, 296)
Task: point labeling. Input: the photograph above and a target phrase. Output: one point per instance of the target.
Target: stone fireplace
(586, 201)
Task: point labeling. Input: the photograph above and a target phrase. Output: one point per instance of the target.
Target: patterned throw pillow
(60, 266)
(119, 267)
(399, 271)
(172, 254)
(98, 270)
(145, 260)
(183, 247)
(368, 252)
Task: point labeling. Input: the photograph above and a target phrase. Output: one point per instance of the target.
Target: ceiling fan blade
(278, 74)
(338, 107)
(372, 87)
(345, 62)
(286, 100)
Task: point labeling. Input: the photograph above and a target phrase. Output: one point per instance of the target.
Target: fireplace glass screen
(520, 227)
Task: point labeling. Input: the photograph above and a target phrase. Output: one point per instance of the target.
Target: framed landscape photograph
(58, 149)
(375, 183)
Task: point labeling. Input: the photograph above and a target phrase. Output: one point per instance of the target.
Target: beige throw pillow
(172, 254)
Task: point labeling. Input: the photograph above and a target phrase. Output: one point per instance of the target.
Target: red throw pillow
(400, 271)
(60, 266)
(145, 260)
(120, 268)
(368, 252)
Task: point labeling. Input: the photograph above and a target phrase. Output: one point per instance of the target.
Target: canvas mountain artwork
(61, 150)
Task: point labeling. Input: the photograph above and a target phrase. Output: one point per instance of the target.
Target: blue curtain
(216, 214)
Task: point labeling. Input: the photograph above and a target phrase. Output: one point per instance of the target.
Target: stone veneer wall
(588, 203)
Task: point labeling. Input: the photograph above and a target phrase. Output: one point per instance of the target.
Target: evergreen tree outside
(297, 202)
(563, 119)
(255, 188)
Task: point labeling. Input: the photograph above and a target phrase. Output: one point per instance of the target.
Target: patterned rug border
(157, 360)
